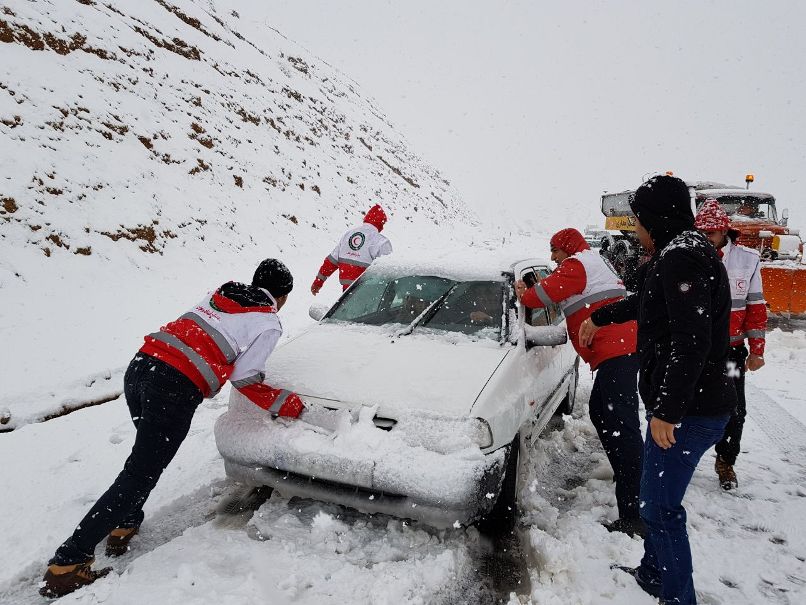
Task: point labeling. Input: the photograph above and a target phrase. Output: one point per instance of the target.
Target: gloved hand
(316, 286)
(292, 407)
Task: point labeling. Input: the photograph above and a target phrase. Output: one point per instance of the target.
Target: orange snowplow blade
(785, 289)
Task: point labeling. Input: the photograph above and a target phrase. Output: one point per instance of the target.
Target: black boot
(632, 527)
(651, 587)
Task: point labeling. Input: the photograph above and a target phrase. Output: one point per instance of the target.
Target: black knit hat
(663, 205)
(274, 276)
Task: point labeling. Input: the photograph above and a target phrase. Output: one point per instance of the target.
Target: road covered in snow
(749, 545)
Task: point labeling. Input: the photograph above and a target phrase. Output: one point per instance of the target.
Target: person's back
(688, 276)
(356, 250)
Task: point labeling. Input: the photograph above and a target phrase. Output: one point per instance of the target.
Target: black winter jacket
(683, 312)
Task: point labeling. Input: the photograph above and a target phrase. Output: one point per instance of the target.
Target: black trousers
(161, 402)
(728, 447)
(614, 413)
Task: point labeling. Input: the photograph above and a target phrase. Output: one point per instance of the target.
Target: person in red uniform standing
(229, 335)
(582, 283)
(355, 251)
(748, 321)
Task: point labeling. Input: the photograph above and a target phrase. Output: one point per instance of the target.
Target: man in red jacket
(229, 335)
(748, 320)
(582, 283)
(355, 251)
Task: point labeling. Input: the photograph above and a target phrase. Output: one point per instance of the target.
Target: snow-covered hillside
(155, 121)
(151, 150)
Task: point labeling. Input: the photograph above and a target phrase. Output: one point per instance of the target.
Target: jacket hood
(569, 241)
(376, 217)
(663, 205)
(235, 297)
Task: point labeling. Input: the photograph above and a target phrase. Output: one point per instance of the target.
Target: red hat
(376, 216)
(711, 217)
(569, 241)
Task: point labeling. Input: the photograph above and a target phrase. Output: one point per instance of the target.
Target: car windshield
(473, 307)
(470, 307)
(748, 208)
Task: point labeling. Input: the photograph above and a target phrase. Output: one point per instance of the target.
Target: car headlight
(444, 434)
(480, 432)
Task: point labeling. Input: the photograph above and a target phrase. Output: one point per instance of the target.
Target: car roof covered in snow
(463, 264)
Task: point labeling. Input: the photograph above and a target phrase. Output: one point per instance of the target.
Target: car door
(548, 366)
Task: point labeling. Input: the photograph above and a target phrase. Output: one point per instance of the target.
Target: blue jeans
(667, 555)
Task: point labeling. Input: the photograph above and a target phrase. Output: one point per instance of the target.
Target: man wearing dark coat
(683, 310)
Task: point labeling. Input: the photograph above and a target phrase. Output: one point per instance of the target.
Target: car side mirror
(317, 312)
(545, 336)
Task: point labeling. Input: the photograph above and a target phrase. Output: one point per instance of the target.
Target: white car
(421, 385)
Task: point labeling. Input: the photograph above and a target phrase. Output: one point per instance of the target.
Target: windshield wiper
(410, 328)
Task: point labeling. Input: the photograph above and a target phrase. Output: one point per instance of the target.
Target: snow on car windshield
(471, 307)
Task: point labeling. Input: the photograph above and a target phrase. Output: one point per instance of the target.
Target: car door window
(555, 316)
(534, 317)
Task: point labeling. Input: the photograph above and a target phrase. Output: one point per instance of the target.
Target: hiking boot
(649, 586)
(632, 527)
(64, 579)
(118, 541)
(727, 476)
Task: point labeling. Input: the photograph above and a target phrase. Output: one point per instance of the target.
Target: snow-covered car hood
(369, 366)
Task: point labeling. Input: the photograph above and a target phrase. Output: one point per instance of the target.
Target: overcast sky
(536, 106)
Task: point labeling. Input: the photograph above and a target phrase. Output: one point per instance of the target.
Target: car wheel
(501, 518)
(567, 405)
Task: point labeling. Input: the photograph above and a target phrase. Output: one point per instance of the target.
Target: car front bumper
(360, 465)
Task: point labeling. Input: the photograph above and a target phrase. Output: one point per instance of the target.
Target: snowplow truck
(753, 215)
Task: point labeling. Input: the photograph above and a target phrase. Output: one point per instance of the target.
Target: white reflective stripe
(278, 403)
(755, 296)
(353, 262)
(756, 302)
(320, 276)
(245, 382)
(593, 298)
(738, 303)
(737, 337)
(197, 360)
(346, 282)
(543, 295)
(221, 342)
(756, 333)
(332, 259)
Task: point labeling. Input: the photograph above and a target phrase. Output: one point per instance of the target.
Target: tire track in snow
(781, 427)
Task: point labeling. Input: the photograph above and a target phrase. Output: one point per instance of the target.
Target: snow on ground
(782, 378)
(749, 546)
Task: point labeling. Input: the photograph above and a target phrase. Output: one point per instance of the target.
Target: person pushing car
(229, 335)
(582, 283)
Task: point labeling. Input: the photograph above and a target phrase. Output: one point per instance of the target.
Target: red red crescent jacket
(581, 284)
(228, 336)
(748, 316)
